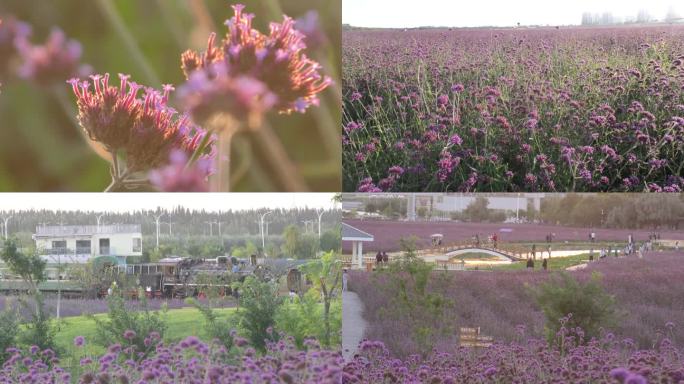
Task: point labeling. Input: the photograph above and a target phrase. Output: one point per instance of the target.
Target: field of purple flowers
(514, 110)
(647, 291)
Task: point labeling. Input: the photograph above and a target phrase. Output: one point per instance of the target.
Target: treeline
(615, 210)
(642, 17)
(183, 222)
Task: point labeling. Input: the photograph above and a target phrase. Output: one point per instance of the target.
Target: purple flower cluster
(146, 128)
(536, 124)
(12, 33)
(53, 62)
(606, 360)
(250, 72)
(189, 361)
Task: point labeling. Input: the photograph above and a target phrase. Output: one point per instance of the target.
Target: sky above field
(122, 202)
(450, 13)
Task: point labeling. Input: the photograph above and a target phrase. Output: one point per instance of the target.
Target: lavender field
(648, 293)
(543, 109)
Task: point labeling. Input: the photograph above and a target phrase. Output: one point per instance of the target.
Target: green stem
(109, 11)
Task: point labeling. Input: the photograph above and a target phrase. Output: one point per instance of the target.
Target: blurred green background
(42, 150)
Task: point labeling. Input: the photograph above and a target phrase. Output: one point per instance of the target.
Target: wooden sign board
(471, 337)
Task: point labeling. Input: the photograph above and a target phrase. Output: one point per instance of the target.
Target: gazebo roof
(350, 233)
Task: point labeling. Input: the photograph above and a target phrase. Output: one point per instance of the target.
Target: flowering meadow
(188, 361)
(539, 109)
(643, 345)
(171, 96)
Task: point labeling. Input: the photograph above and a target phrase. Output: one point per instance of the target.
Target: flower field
(562, 109)
(644, 344)
(388, 233)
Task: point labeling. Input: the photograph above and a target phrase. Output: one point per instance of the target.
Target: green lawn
(181, 323)
(476, 256)
(556, 263)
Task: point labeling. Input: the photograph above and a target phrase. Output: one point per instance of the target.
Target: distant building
(78, 244)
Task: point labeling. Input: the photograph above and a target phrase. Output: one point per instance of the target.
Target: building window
(137, 244)
(58, 247)
(104, 247)
(83, 247)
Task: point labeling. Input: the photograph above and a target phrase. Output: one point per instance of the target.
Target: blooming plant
(229, 88)
(514, 110)
(231, 85)
(189, 361)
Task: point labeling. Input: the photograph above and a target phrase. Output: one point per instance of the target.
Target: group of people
(545, 263)
(381, 257)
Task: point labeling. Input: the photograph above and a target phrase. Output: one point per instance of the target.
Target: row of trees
(642, 17)
(180, 221)
(615, 210)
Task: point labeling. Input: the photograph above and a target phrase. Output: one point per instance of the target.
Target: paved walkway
(353, 324)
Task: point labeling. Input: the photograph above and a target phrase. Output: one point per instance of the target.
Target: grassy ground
(181, 323)
(556, 263)
(477, 256)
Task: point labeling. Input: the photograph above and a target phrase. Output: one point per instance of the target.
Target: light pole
(517, 209)
(99, 217)
(219, 228)
(59, 271)
(6, 220)
(156, 219)
(320, 214)
(261, 227)
(211, 227)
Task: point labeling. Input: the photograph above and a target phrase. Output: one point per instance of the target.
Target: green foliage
(408, 280)
(120, 319)
(39, 330)
(305, 318)
(326, 274)
(590, 307)
(259, 303)
(408, 245)
(299, 245)
(9, 327)
(30, 267)
(331, 240)
(213, 326)
(291, 234)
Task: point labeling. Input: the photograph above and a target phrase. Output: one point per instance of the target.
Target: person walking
(385, 258)
(378, 258)
(534, 251)
(345, 279)
(530, 263)
(545, 264)
(676, 245)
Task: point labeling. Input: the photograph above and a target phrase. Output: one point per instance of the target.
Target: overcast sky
(123, 202)
(459, 13)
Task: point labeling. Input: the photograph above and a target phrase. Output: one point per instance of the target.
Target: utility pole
(156, 220)
(6, 220)
(59, 270)
(98, 221)
(219, 228)
(261, 227)
(320, 214)
(211, 227)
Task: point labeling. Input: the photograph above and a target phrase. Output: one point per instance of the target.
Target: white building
(77, 244)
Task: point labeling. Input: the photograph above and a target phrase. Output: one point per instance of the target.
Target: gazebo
(357, 237)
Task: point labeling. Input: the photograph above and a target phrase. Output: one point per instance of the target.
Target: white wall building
(71, 244)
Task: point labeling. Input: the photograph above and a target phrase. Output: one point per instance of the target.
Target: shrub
(131, 328)
(260, 301)
(9, 326)
(220, 331)
(304, 319)
(583, 306)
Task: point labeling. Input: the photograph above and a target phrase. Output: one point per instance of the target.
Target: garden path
(353, 324)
